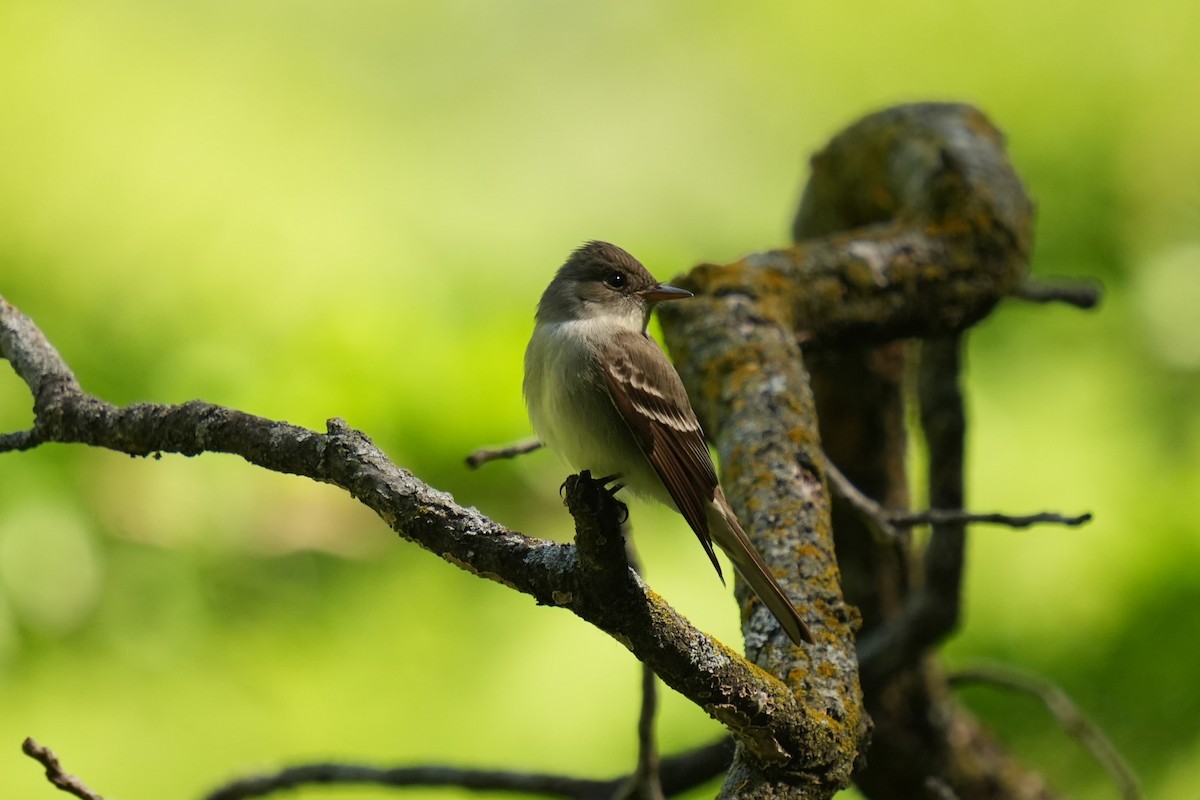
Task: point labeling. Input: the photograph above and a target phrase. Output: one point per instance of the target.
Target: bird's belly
(585, 433)
(575, 418)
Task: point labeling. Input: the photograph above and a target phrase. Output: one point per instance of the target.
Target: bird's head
(600, 280)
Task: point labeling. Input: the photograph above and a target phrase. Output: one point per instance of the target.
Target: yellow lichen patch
(771, 288)
(805, 437)
(796, 676)
(656, 600)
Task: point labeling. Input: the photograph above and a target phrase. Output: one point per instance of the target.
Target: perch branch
(771, 718)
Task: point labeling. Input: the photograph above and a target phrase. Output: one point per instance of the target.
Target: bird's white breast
(568, 401)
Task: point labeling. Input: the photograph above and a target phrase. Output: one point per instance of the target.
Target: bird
(605, 398)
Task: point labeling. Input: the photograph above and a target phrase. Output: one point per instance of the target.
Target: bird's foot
(593, 487)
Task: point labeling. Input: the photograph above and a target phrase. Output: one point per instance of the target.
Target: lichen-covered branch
(912, 225)
(750, 387)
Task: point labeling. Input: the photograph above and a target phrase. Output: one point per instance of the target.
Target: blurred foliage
(310, 209)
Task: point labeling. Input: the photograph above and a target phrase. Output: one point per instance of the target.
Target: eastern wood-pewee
(604, 397)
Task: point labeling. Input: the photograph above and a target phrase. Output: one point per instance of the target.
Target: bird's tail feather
(730, 537)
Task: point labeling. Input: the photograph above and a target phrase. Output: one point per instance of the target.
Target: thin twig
(54, 771)
(871, 512)
(942, 516)
(486, 454)
(432, 775)
(680, 773)
(1079, 293)
(884, 522)
(1065, 712)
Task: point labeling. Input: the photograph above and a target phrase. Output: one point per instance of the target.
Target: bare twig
(1065, 712)
(884, 522)
(1079, 293)
(680, 773)
(871, 512)
(54, 771)
(486, 454)
(944, 516)
(546, 785)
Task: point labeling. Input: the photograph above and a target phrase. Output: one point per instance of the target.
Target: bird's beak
(661, 291)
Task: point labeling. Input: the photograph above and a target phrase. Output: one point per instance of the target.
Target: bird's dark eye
(616, 279)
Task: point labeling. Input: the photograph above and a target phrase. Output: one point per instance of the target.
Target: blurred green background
(312, 209)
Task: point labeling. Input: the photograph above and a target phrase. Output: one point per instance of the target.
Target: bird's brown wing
(650, 397)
